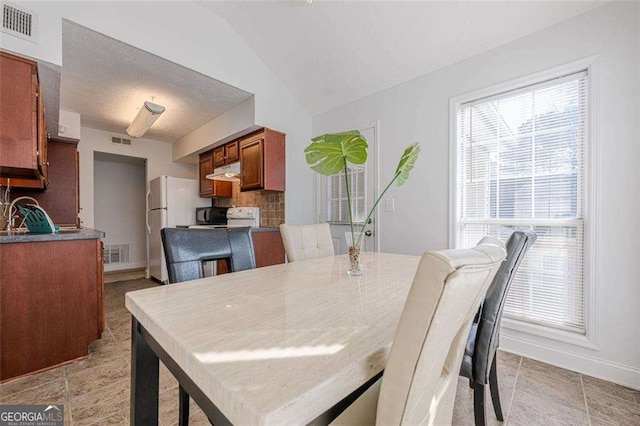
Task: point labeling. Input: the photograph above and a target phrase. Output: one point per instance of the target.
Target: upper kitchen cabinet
(205, 168)
(211, 188)
(218, 157)
(225, 154)
(231, 152)
(23, 133)
(61, 200)
(262, 161)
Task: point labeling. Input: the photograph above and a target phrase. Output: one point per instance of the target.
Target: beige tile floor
(95, 391)
(130, 275)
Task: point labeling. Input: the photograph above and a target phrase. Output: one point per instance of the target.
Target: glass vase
(354, 250)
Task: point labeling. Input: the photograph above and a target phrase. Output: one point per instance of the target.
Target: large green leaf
(407, 161)
(327, 153)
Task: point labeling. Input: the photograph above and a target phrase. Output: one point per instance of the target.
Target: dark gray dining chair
(186, 250)
(479, 362)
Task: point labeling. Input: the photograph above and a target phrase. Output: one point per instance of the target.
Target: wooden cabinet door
(43, 156)
(218, 157)
(232, 153)
(222, 189)
(251, 159)
(205, 168)
(33, 337)
(100, 283)
(18, 117)
(268, 248)
(78, 187)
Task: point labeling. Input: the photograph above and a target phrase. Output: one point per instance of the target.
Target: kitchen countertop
(7, 237)
(265, 229)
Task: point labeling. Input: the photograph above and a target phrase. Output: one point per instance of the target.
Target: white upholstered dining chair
(419, 382)
(306, 241)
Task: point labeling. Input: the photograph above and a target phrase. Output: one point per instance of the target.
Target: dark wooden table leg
(144, 379)
(183, 409)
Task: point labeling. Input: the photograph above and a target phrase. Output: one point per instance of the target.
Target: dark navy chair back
(478, 363)
(186, 249)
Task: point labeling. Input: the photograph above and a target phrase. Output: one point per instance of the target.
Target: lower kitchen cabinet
(51, 303)
(268, 248)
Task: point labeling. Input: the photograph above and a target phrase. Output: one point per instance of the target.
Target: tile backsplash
(271, 204)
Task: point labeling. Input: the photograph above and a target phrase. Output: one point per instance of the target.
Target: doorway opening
(120, 211)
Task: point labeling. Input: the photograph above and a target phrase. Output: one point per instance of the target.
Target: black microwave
(211, 215)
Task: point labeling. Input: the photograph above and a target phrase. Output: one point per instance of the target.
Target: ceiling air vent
(120, 141)
(19, 22)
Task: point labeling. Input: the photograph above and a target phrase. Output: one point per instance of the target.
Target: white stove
(243, 216)
(237, 217)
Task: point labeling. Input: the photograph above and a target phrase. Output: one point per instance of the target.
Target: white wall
(228, 125)
(72, 124)
(190, 35)
(419, 111)
(159, 162)
(120, 208)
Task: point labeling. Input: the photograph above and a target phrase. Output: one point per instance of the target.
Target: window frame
(590, 217)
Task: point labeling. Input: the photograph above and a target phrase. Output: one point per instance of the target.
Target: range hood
(229, 173)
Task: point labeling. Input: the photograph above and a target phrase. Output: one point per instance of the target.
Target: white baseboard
(124, 266)
(611, 371)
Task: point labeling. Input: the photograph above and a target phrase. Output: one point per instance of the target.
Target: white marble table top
(280, 345)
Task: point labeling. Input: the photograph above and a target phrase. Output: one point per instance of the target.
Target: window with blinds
(520, 164)
(337, 205)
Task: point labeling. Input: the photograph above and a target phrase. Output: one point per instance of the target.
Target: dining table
(289, 344)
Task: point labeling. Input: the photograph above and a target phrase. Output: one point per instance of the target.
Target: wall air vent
(120, 141)
(116, 253)
(19, 22)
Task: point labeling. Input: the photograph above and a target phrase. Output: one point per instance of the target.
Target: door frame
(376, 178)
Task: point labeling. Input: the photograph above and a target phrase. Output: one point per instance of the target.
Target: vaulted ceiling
(330, 53)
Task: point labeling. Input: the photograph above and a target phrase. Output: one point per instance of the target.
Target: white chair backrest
(419, 382)
(306, 241)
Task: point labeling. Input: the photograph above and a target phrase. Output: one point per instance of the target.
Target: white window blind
(337, 206)
(520, 164)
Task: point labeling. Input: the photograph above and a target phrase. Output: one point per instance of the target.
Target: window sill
(565, 336)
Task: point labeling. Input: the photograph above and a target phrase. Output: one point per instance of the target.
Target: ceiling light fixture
(147, 115)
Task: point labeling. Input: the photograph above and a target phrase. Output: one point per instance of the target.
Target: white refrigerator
(170, 202)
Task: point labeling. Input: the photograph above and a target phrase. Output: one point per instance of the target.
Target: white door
(333, 198)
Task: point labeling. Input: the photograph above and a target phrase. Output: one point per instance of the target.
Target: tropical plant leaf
(407, 161)
(326, 154)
